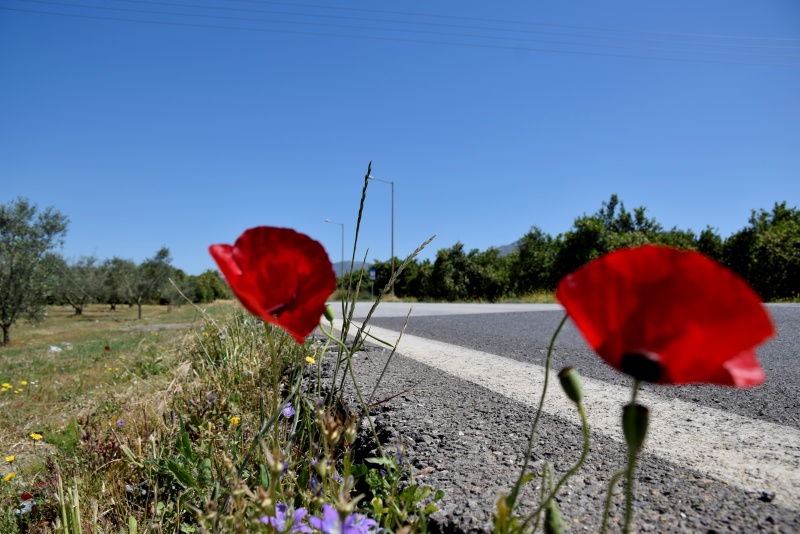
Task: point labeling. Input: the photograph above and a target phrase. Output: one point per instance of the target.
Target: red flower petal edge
(669, 316)
(280, 275)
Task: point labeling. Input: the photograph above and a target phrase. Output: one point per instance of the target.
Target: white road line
(744, 452)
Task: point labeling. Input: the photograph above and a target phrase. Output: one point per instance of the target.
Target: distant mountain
(339, 269)
(505, 250)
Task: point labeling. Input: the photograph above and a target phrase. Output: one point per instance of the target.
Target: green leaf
(185, 446)
(181, 474)
(130, 456)
(381, 461)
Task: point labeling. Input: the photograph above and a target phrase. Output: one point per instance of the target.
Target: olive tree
(81, 282)
(26, 272)
(142, 282)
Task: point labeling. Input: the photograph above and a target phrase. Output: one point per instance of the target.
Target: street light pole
(342, 225)
(392, 184)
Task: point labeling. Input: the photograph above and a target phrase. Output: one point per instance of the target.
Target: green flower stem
(355, 384)
(273, 356)
(545, 472)
(632, 455)
(512, 497)
(614, 481)
(268, 424)
(568, 474)
(365, 408)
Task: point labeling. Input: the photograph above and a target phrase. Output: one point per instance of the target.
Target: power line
(390, 39)
(400, 30)
(526, 23)
(448, 25)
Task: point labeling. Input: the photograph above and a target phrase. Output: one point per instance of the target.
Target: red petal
(280, 275)
(691, 312)
(741, 371)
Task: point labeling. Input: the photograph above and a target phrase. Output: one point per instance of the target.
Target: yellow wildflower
(9, 476)
(311, 360)
(36, 437)
(23, 383)
(235, 420)
(9, 459)
(7, 385)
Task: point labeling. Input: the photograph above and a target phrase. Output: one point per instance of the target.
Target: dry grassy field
(69, 368)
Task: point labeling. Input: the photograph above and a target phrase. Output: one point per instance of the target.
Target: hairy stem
(512, 497)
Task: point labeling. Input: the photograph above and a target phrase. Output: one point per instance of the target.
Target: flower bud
(351, 431)
(635, 419)
(322, 467)
(571, 384)
(329, 314)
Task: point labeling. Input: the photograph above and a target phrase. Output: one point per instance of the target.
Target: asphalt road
(466, 433)
(525, 336)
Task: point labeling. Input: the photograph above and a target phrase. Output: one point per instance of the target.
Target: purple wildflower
(315, 487)
(288, 411)
(120, 422)
(279, 521)
(360, 524)
(331, 523)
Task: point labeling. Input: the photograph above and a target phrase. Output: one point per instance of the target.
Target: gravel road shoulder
(469, 442)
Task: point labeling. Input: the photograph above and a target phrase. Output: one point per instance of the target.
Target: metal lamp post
(342, 225)
(392, 184)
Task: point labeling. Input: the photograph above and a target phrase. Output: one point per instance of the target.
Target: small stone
(767, 496)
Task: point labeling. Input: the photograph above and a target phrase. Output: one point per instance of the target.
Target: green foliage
(767, 252)
(210, 287)
(393, 503)
(115, 271)
(141, 283)
(26, 271)
(67, 439)
(609, 229)
(710, 244)
(81, 282)
(532, 262)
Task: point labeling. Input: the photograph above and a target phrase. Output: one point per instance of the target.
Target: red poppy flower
(668, 316)
(106, 348)
(280, 275)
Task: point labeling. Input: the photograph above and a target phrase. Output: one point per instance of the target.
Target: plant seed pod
(571, 384)
(635, 419)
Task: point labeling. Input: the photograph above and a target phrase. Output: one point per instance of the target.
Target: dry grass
(54, 389)
(537, 297)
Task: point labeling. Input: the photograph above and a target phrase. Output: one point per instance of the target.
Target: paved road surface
(718, 459)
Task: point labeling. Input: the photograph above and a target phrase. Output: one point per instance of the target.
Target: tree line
(33, 276)
(766, 253)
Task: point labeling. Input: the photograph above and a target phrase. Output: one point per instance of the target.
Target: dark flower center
(641, 367)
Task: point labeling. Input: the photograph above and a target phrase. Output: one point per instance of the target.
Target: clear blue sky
(491, 117)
